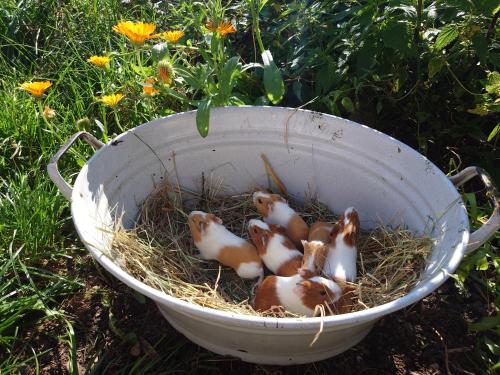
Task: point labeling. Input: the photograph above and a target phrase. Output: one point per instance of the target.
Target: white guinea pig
(216, 242)
(296, 294)
(277, 252)
(275, 210)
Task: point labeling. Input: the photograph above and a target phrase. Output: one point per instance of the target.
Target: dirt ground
(115, 328)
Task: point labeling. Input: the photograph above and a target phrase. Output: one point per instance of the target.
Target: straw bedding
(159, 252)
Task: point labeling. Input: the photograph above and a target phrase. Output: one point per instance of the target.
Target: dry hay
(159, 252)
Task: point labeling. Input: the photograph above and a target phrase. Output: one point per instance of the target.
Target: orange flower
(148, 88)
(36, 89)
(100, 61)
(166, 71)
(111, 100)
(137, 32)
(223, 28)
(172, 36)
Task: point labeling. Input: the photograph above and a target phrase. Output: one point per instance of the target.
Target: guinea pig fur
(275, 210)
(313, 261)
(297, 294)
(320, 231)
(340, 261)
(214, 241)
(277, 252)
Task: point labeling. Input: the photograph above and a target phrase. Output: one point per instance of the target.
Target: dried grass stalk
(159, 251)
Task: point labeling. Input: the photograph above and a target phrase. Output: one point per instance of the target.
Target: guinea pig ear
(202, 225)
(214, 218)
(304, 283)
(304, 243)
(265, 238)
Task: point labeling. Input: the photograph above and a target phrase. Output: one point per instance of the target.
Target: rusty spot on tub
(399, 150)
(115, 143)
(81, 195)
(213, 150)
(401, 178)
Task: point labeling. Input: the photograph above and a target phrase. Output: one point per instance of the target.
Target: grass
(58, 309)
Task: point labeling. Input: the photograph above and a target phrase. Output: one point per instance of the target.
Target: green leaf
(486, 323)
(480, 45)
(229, 75)
(261, 100)
(143, 71)
(494, 132)
(473, 211)
(493, 85)
(297, 89)
(203, 117)
(493, 347)
(447, 35)
(365, 57)
(396, 35)
(273, 82)
(480, 110)
(347, 104)
(435, 65)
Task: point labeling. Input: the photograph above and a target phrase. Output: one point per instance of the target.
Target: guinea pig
(314, 257)
(296, 294)
(277, 252)
(275, 210)
(340, 262)
(320, 231)
(216, 242)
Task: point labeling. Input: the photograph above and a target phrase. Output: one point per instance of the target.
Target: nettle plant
(434, 64)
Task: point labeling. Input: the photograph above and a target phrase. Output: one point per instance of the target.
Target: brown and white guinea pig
(340, 262)
(275, 210)
(216, 242)
(320, 231)
(313, 261)
(296, 294)
(277, 252)
(338, 259)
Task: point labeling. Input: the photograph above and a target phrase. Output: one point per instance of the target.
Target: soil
(115, 327)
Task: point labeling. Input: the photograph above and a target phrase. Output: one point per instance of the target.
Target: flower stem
(47, 122)
(255, 24)
(118, 121)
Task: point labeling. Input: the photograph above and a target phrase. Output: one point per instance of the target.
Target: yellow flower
(172, 36)
(100, 61)
(137, 32)
(223, 28)
(166, 71)
(111, 100)
(36, 89)
(148, 88)
(48, 112)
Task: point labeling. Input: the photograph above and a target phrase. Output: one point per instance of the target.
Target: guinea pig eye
(259, 200)
(323, 293)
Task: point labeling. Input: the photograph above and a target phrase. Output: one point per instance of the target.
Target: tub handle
(52, 168)
(480, 236)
